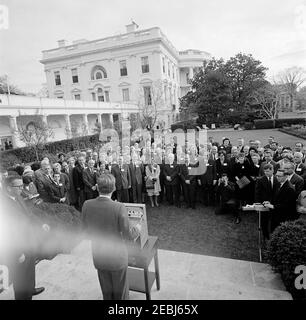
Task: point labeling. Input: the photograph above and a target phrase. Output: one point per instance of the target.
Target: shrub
(264, 124)
(248, 126)
(286, 250)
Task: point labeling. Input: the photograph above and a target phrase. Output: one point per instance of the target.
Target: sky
(273, 31)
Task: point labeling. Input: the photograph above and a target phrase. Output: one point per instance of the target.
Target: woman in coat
(152, 182)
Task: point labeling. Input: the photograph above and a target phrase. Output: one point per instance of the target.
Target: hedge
(279, 123)
(11, 157)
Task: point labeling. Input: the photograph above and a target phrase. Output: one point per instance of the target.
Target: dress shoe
(38, 291)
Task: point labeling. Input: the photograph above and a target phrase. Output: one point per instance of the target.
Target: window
(75, 78)
(93, 95)
(147, 96)
(123, 68)
(106, 94)
(60, 97)
(165, 92)
(77, 97)
(125, 94)
(57, 77)
(98, 75)
(164, 67)
(100, 95)
(145, 64)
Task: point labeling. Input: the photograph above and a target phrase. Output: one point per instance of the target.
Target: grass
(200, 231)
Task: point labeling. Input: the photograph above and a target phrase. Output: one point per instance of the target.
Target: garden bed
(299, 132)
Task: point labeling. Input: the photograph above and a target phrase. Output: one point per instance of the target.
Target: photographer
(226, 192)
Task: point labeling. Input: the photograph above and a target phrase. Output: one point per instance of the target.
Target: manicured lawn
(262, 135)
(200, 231)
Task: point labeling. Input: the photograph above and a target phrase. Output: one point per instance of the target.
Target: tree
(267, 98)
(246, 75)
(301, 99)
(291, 79)
(6, 87)
(35, 134)
(150, 102)
(210, 97)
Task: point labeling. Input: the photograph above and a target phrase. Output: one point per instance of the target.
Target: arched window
(98, 72)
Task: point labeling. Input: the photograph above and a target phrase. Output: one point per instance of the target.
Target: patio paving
(183, 276)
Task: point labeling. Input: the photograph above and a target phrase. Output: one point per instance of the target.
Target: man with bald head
(300, 167)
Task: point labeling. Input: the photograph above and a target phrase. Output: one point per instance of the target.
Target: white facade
(94, 70)
(59, 114)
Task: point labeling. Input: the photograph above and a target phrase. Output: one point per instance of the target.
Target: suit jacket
(57, 192)
(222, 168)
(263, 190)
(284, 204)
(107, 226)
(122, 176)
(72, 196)
(298, 183)
(77, 176)
(137, 173)
(184, 173)
(42, 184)
(89, 179)
(173, 172)
(210, 175)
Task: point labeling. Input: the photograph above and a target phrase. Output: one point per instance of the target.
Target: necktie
(271, 183)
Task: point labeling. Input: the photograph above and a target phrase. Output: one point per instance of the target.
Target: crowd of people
(230, 177)
(235, 174)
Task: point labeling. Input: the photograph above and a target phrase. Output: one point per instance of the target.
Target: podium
(139, 276)
(259, 208)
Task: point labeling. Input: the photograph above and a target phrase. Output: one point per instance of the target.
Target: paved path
(183, 276)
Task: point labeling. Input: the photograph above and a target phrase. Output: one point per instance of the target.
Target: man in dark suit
(43, 181)
(90, 180)
(284, 202)
(293, 178)
(22, 231)
(207, 183)
(265, 190)
(137, 172)
(107, 226)
(171, 175)
(77, 176)
(189, 183)
(121, 172)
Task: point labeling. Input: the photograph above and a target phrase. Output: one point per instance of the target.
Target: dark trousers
(162, 188)
(173, 195)
(23, 278)
(208, 194)
(123, 195)
(189, 191)
(81, 199)
(135, 193)
(114, 284)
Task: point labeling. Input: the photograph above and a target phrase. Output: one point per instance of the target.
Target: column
(111, 120)
(68, 126)
(99, 116)
(190, 73)
(85, 123)
(14, 129)
(44, 118)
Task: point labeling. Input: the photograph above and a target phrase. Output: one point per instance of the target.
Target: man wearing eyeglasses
(20, 230)
(284, 203)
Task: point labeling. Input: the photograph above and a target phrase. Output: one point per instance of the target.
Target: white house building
(62, 116)
(123, 68)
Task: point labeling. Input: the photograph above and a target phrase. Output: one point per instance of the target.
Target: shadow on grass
(200, 231)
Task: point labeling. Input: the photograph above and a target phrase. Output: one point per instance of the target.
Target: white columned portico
(68, 125)
(190, 73)
(14, 130)
(99, 116)
(85, 122)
